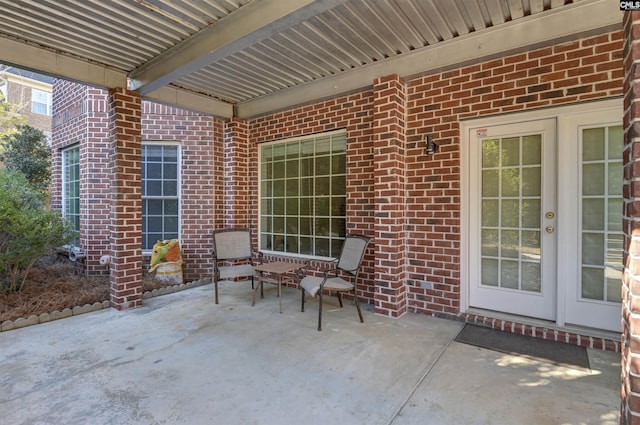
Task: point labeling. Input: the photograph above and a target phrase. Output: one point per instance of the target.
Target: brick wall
(239, 197)
(354, 113)
(418, 234)
(82, 116)
(198, 138)
(125, 171)
(389, 158)
(571, 72)
(69, 120)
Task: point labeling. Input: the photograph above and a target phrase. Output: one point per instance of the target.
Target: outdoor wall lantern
(432, 147)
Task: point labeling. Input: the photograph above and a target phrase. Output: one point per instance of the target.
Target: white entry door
(545, 218)
(513, 218)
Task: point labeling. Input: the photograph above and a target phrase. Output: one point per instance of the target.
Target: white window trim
(179, 191)
(47, 103)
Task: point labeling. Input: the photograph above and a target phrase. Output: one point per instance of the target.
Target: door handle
(550, 229)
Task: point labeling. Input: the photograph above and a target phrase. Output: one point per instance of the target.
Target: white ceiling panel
(249, 54)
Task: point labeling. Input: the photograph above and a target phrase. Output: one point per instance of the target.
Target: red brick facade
(82, 116)
(407, 200)
(410, 201)
(125, 227)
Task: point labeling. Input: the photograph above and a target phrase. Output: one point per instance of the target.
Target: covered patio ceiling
(246, 58)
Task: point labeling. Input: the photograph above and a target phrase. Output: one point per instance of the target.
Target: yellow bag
(166, 252)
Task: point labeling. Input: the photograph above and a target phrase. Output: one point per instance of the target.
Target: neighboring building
(31, 92)
(486, 223)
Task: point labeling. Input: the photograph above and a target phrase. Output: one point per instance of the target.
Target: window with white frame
(71, 186)
(303, 195)
(40, 102)
(160, 193)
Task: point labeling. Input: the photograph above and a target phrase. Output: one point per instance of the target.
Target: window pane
(278, 188)
(309, 180)
(323, 165)
(338, 206)
(593, 178)
(293, 168)
(490, 186)
(490, 242)
(510, 151)
(306, 206)
(170, 171)
(490, 272)
(322, 227)
(170, 188)
(602, 211)
(338, 164)
(593, 144)
(278, 170)
(160, 202)
(322, 206)
(292, 187)
(292, 206)
(510, 182)
(531, 149)
(278, 206)
(490, 154)
(153, 171)
(510, 214)
(278, 224)
(531, 213)
(323, 187)
(71, 187)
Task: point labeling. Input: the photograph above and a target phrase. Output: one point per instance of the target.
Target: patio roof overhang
(246, 58)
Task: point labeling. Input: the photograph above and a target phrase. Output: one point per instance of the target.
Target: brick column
(238, 170)
(95, 179)
(126, 199)
(630, 392)
(389, 140)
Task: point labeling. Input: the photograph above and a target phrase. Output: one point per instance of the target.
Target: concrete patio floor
(181, 359)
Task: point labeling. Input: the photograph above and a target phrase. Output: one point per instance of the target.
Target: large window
(160, 193)
(303, 195)
(71, 186)
(40, 102)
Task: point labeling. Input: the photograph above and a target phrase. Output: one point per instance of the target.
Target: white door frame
(465, 157)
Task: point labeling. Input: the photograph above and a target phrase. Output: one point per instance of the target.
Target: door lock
(550, 215)
(550, 229)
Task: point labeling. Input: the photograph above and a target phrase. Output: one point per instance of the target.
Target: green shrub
(26, 150)
(27, 230)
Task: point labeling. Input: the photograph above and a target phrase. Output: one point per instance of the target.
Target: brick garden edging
(22, 322)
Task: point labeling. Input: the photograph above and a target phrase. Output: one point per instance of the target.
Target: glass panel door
(602, 238)
(511, 210)
(512, 259)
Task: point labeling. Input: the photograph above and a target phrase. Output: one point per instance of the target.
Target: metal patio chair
(233, 255)
(347, 264)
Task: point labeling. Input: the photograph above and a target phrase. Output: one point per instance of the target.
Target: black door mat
(540, 349)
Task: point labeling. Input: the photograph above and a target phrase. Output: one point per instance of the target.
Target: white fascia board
(45, 61)
(192, 101)
(248, 25)
(555, 25)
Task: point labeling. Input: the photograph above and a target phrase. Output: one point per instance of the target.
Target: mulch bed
(55, 283)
